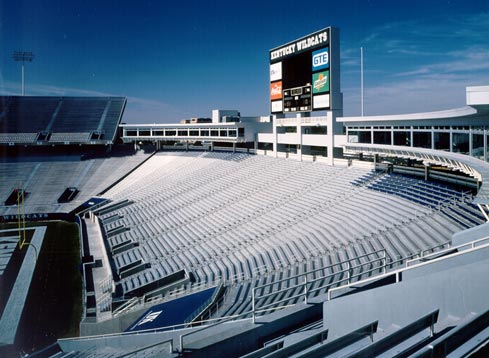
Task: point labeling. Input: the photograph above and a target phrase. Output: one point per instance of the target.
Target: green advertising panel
(320, 82)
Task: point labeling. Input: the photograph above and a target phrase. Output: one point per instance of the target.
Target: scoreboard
(301, 73)
(297, 99)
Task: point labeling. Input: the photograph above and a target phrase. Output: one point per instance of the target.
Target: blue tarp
(172, 312)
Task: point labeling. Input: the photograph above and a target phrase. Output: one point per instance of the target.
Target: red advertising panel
(276, 90)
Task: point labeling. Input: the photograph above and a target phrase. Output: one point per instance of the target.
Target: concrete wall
(456, 286)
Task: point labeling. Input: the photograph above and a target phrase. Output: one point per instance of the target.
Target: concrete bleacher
(46, 177)
(60, 120)
(246, 220)
(27, 114)
(25, 138)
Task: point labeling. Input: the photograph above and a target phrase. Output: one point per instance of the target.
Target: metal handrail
(321, 269)
(472, 246)
(328, 286)
(305, 294)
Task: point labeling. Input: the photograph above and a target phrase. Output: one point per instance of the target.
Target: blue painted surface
(172, 312)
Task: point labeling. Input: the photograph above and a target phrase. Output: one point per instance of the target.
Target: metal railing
(305, 287)
(462, 247)
(419, 262)
(306, 284)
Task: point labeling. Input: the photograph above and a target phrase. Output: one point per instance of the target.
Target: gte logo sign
(320, 59)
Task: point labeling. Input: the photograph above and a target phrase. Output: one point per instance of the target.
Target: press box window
(241, 132)
(318, 130)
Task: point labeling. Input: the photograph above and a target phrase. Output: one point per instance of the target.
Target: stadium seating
(56, 120)
(45, 178)
(223, 217)
(411, 316)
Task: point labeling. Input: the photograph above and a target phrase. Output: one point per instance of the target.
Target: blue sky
(181, 59)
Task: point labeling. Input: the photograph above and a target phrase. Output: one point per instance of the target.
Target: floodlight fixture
(23, 56)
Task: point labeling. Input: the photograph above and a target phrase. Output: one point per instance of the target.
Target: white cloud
(418, 66)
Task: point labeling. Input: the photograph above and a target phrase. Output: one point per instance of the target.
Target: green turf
(53, 307)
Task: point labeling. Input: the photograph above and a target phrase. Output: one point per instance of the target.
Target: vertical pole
(361, 77)
(385, 261)
(305, 289)
(253, 304)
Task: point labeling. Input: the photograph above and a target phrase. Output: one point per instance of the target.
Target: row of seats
(7, 138)
(452, 202)
(229, 217)
(68, 119)
(45, 179)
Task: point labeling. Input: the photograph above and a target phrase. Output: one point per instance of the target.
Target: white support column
(451, 139)
(485, 144)
(275, 137)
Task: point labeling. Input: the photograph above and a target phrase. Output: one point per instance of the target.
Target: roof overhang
(463, 112)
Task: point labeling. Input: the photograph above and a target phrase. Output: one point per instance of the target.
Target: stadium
(301, 233)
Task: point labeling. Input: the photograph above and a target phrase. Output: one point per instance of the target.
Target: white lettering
(320, 59)
(150, 317)
(300, 45)
(284, 51)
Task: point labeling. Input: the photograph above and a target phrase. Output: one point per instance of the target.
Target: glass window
(460, 143)
(382, 137)
(204, 133)
(359, 137)
(478, 146)
(214, 133)
(241, 132)
(193, 133)
(402, 138)
(131, 133)
(442, 141)
(318, 130)
(422, 139)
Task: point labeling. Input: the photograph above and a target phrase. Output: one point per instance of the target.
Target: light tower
(22, 56)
